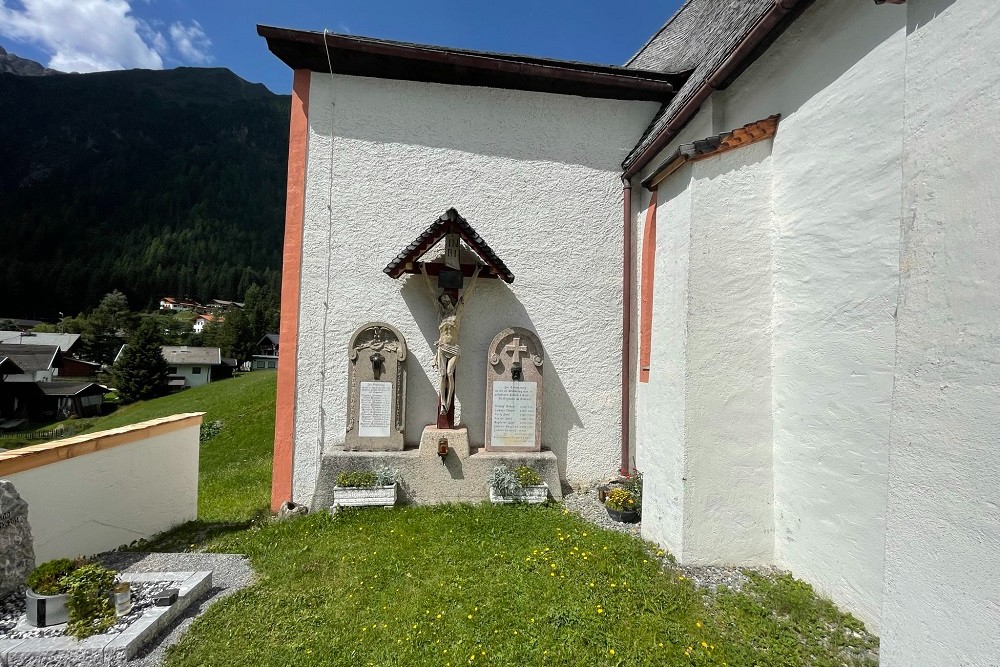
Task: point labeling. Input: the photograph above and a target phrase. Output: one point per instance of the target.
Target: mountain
(151, 182)
(11, 64)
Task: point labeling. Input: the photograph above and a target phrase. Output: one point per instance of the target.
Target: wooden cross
(514, 349)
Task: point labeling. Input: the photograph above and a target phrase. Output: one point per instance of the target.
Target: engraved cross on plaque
(514, 349)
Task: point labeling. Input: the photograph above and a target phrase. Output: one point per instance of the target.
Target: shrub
(209, 430)
(50, 578)
(91, 604)
(620, 500)
(526, 476)
(359, 479)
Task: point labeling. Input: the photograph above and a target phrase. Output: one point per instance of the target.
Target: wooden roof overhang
(450, 223)
(384, 59)
(8, 367)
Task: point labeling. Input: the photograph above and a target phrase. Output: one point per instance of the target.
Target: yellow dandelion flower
(470, 618)
(697, 624)
(611, 651)
(704, 644)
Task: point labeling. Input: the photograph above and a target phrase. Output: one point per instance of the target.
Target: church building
(761, 256)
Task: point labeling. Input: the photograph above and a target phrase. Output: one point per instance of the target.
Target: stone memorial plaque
(376, 397)
(513, 414)
(375, 409)
(514, 392)
(17, 552)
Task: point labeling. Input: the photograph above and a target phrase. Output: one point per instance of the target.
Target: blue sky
(92, 35)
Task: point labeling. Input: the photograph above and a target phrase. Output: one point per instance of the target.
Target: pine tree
(141, 370)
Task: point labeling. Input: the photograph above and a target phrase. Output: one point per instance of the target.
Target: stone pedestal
(457, 438)
(428, 479)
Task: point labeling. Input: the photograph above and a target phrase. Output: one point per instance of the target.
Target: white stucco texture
(537, 175)
(942, 570)
(101, 500)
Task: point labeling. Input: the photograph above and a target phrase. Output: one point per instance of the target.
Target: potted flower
(48, 591)
(77, 592)
(621, 505)
(519, 485)
(366, 488)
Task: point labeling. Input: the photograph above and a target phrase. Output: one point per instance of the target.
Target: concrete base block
(457, 439)
(431, 480)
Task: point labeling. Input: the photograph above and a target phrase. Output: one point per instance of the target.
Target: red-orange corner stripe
(646, 290)
(291, 268)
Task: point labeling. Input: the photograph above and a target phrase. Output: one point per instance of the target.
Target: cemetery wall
(836, 79)
(96, 492)
(942, 593)
(537, 175)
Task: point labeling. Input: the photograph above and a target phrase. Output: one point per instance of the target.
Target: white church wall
(660, 411)
(537, 175)
(836, 78)
(942, 593)
(728, 503)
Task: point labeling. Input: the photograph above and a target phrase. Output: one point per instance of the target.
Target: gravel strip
(230, 573)
(586, 505)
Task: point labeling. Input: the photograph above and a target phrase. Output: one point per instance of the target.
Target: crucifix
(456, 282)
(449, 303)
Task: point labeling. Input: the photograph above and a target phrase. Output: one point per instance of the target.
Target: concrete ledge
(107, 649)
(27, 458)
(430, 481)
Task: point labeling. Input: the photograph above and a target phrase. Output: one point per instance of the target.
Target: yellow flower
(697, 624)
(704, 644)
(611, 651)
(470, 618)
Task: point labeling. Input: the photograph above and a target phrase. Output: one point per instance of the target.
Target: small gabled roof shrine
(450, 223)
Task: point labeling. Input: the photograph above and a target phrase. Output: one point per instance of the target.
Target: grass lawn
(457, 585)
(478, 585)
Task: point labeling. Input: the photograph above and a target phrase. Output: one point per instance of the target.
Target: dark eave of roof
(450, 222)
(384, 59)
(8, 367)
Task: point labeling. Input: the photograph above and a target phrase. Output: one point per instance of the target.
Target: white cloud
(99, 35)
(191, 42)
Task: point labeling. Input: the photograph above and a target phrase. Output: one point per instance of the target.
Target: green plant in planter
(526, 476)
(89, 589)
(91, 603)
(633, 484)
(386, 475)
(359, 479)
(50, 578)
(503, 480)
(620, 500)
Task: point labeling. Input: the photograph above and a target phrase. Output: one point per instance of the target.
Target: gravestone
(376, 400)
(17, 553)
(514, 392)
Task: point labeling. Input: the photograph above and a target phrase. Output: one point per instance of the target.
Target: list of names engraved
(514, 418)
(375, 410)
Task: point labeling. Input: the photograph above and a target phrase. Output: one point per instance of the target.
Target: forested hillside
(151, 182)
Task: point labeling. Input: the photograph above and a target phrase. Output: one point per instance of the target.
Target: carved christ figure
(448, 350)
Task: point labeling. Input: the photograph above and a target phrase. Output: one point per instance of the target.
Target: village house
(206, 319)
(761, 258)
(193, 366)
(267, 352)
(68, 343)
(179, 305)
(30, 386)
